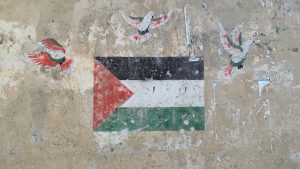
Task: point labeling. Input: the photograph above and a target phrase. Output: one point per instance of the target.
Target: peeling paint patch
(105, 139)
(282, 75)
(79, 79)
(263, 68)
(94, 29)
(120, 36)
(13, 60)
(182, 142)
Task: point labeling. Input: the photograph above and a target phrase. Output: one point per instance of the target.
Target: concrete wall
(46, 115)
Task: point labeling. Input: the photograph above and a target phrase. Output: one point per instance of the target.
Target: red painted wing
(52, 44)
(161, 20)
(42, 59)
(236, 33)
(223, 37)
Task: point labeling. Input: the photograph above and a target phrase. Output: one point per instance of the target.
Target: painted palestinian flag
(148, 93)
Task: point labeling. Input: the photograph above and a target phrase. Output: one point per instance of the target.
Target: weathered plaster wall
(46, 115)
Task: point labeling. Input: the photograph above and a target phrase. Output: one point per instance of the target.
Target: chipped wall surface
(46, 114)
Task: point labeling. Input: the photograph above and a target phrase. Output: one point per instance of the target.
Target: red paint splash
(228, 45)
(158, 22)
(137, 37)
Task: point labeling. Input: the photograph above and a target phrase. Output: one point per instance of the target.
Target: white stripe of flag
(165, 93)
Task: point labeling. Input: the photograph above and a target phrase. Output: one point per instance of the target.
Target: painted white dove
(234, 45)
(144, 23)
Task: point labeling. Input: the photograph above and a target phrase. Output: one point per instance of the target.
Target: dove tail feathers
(137, 38)
(66, 65)
(34, 58)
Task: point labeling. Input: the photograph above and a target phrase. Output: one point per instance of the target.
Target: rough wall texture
(46, 115)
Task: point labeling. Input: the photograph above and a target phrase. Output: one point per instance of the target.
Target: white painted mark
(186, 122)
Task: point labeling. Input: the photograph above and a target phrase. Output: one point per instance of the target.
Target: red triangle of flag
(109, 94)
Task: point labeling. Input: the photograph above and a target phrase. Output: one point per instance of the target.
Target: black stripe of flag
(156, 68)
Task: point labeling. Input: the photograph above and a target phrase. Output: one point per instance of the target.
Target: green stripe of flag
(155, 119)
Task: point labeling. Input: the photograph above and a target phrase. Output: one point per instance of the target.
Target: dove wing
(53, 48)
(236, 34)
(131, 20)
(161, 20)
(42, 59)
(52, 44)
(224, 37)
